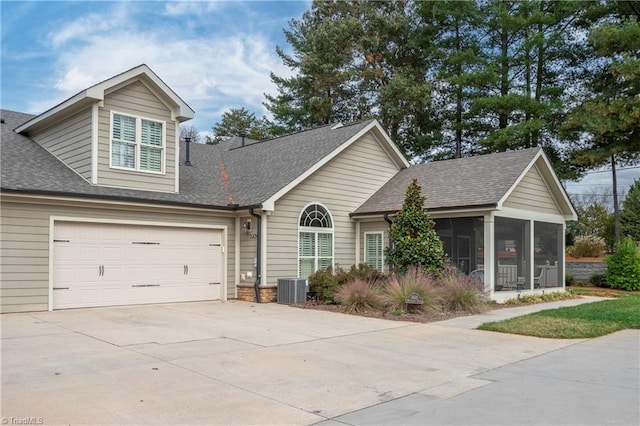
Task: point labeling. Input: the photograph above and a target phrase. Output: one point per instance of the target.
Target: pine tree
(413, 236)
(607, 120)
(630, 214)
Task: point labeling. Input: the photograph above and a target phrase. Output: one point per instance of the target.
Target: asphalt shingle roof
(220, 175)
(464, 182)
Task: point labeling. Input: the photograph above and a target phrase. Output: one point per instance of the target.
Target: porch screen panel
(512, 254)
(548, 265)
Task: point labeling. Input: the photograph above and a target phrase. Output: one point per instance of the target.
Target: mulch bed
(413, 317)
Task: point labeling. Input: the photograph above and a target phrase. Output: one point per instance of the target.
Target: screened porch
(518, 255)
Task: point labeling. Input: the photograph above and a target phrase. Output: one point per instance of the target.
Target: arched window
(315, 240)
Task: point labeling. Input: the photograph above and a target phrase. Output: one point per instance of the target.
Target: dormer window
(137, 143)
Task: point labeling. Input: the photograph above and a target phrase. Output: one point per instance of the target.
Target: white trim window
(315, 240)
(374, 250)
(137, 143)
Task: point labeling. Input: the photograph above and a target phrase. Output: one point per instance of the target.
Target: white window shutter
(373, 251)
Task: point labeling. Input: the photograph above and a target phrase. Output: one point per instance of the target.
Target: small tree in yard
(623, 267)
(413, 236)
(630, 215)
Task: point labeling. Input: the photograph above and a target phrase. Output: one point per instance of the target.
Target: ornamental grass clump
(359, 296)
(587, 246)
(460, 294)
(413, 281)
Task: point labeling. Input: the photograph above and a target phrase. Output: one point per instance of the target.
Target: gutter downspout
(256, 285)
(390, 222)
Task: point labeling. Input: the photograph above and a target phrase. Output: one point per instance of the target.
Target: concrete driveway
(244, 363)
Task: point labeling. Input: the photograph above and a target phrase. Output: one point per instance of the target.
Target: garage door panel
(107, 264)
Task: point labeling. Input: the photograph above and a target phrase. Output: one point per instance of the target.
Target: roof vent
(337, 126)
(187, 161)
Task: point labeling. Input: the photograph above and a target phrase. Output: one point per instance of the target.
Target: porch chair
(538, 282)
(477, 277)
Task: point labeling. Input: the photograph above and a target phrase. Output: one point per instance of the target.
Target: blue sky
(215, 55)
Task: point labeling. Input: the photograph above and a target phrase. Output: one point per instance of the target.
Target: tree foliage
(356, 60)
(594, 219)
(239, 122)
(413, 236)
(623, 267)
(630, 215)
(607, 120)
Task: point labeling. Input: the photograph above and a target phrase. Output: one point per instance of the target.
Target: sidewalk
(474, 321)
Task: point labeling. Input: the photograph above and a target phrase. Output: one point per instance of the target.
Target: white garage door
(105, 264)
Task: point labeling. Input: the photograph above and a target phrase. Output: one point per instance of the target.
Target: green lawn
(588, 320)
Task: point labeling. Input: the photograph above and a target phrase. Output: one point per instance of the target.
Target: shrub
(569, 279)
(413, 281)
(623, 267)
(459, 293)
(324, 283)
(359, 296)
(587, 246)
(599, 280)
(366, 273)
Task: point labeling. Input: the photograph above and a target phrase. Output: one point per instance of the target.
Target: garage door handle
(101, 270)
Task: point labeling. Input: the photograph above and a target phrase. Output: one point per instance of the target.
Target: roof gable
(220, 176)
(96, 93)
(478, 182)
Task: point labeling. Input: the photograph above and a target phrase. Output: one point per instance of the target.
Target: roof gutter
(430, 209)
(228, 207)
(256, 285)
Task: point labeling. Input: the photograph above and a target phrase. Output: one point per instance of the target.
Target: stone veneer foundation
(247, 293)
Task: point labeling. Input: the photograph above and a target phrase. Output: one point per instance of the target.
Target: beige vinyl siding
(341, 186)
(377, 226)
(137, 100)
(70, 141)
(24, 243)
(248, 249)
(532, 194)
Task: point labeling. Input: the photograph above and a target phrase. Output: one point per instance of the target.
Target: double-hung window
(374, 249)
(137, 143)
(315, 240)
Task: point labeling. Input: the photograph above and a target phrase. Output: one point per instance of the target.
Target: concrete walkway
(474, 321)
(243, 363)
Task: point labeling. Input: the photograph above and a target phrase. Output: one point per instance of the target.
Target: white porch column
(263, 248)
(236, 234)
(561, 256)
(489, 252)
(532, 253)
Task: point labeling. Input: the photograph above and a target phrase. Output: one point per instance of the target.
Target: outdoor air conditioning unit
(292, 290)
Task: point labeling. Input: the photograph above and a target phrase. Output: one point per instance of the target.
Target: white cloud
(87, 25)
(178, 8)
(208, 72)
